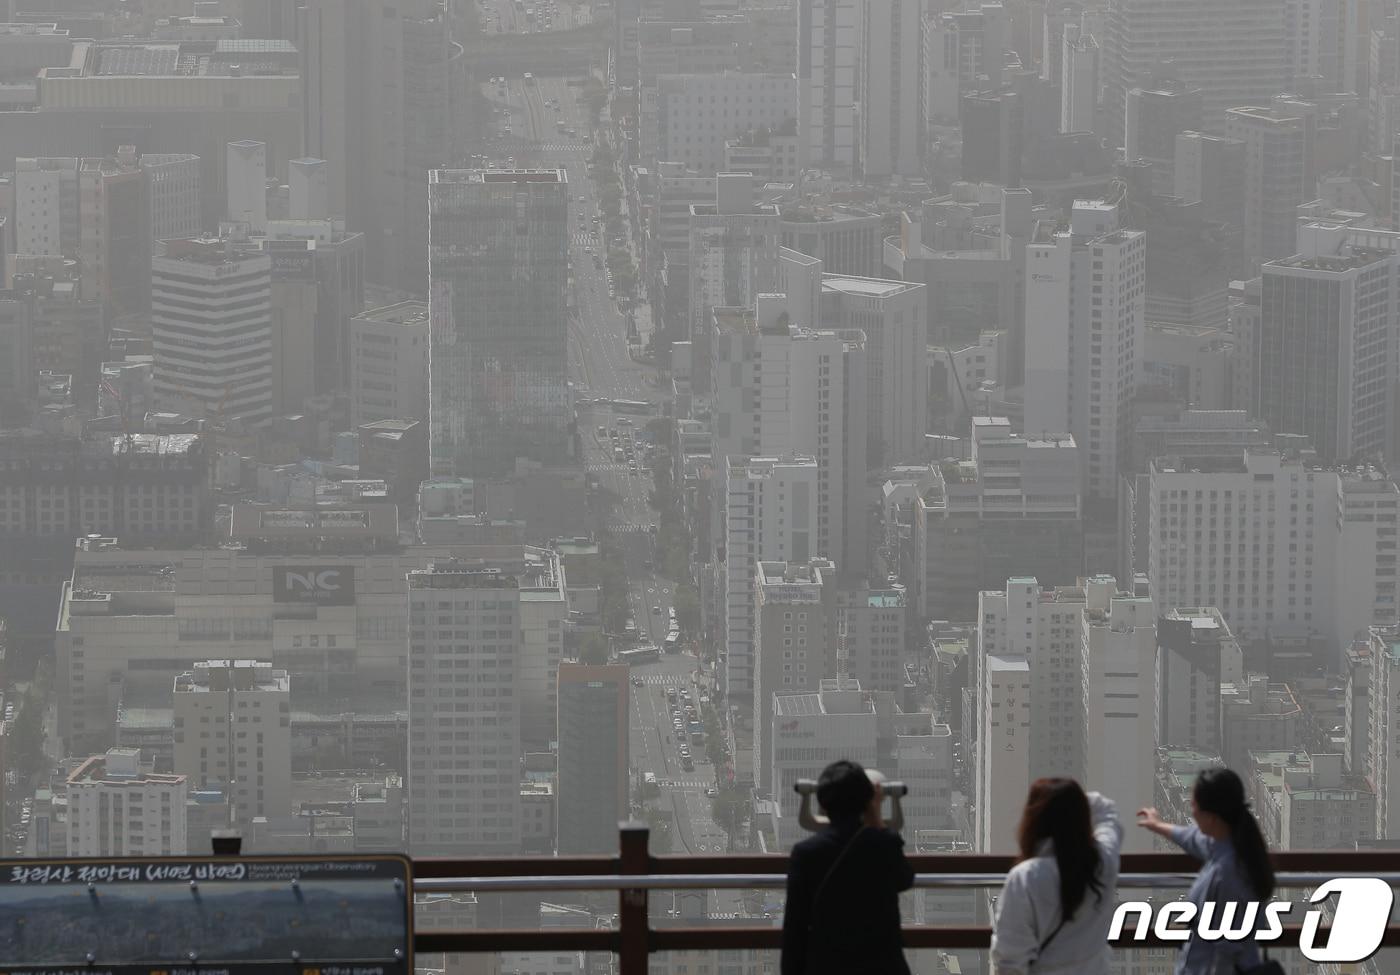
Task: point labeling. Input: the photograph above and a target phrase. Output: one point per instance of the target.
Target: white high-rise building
(246, 183)
(1327, 353)
(1001, 764)
(781, 389)
(46, 205)
(964, 50)
(233, 733)
(1118, 652)
(1042, 627)
(1090, 655)
(892, 315)
(892, 110)
(842, 720)
(828, 72)
(211, 323)
(118, 808)
(794, 643)
(1086, 297)
(770, 513)
(389, 363)
(1284, 549)
(463, 711)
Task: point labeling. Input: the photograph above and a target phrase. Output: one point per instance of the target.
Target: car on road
(656, 610)
(711, 792)
(637, 682)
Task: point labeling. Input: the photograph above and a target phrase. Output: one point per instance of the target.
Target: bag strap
(829, 871)
(1051, 937)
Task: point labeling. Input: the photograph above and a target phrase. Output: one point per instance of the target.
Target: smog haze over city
(456, 428)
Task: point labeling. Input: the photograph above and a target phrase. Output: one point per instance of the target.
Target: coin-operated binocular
(813, 821)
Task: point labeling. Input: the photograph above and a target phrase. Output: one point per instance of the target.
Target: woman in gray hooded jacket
(1055, 909)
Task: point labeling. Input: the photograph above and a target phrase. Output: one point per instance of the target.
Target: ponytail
(1220, 791)
(1253, 854)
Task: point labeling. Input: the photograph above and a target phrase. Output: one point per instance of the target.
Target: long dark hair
(1058, 810)
(1220, 791)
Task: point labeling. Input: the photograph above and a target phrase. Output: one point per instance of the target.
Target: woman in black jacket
(842, 912)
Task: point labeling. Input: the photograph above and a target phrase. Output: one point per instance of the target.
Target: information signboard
(252, 915)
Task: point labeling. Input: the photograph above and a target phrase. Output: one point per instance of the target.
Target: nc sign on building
(324, 585)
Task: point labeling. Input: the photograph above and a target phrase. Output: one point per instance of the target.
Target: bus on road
(641, 655)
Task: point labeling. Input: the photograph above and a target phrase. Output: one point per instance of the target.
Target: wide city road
(617, 449)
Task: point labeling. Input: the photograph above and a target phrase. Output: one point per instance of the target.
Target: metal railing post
(634, 925)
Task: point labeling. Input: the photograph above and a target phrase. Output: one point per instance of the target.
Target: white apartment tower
(1086, 300)
(828, 68)
(463, 711)
(246, 184)
(389, 363)
(308, 189)
(46, 205)
(780, 389)
(1040, 627)
(1089, 653)
(1327, 353)
(211, 324)
(1284, 549)
(1118, 648)
(892, 109)
(233, 733)
(118, 808)
(1002, 756)
(794, 643)
(770, 513)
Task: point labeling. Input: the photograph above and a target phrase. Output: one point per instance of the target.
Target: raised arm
(1189, 838)
(1108, 828)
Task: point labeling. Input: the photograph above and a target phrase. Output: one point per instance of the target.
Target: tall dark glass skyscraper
(498, 383)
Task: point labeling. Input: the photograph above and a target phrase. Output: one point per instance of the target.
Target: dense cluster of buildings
(1023, 394)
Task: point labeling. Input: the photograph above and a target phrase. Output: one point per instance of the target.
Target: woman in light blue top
(1234, 867)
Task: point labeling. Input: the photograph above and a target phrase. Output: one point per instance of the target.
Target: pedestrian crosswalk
(684, 783)
(585, 238)
(561, 147)
(606, 468)
(658, 679)
(616, 529)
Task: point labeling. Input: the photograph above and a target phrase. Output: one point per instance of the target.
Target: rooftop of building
(243, 675)
(1351, 257)
(229, 58)
(825, 213)
(497, 176)
(211, 252)
(450, 574)
(400, 313)
(260, 521)
(867, 287)
(120, 766)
